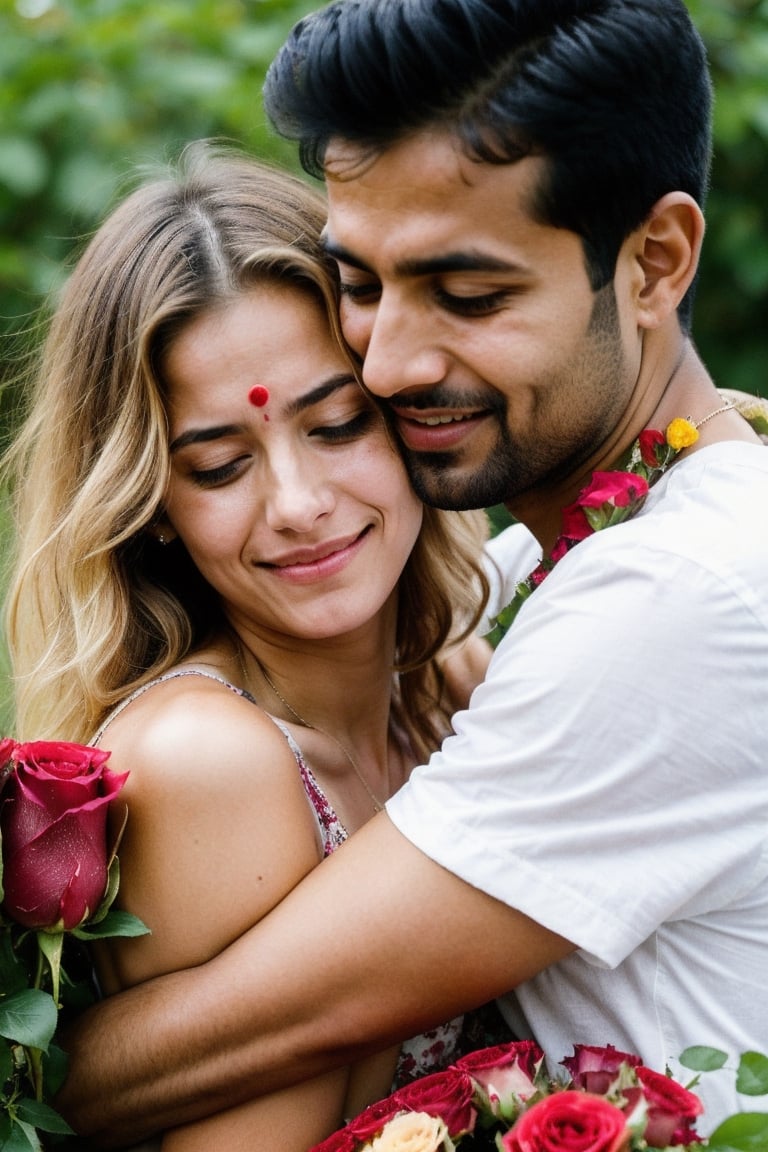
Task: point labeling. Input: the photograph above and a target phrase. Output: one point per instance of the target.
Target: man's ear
(668, 246)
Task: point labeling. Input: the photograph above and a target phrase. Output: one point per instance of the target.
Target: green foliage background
(92, 89)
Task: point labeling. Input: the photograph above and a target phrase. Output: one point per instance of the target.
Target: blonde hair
(95, 607)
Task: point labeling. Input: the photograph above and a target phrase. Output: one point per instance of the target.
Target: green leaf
(747, 1132)
(752, 1076)
(29, 1018)
(114, 924)
(20, 1138)
(702, 1059)
(42, 1116)
(113, 883)
(6, 1064)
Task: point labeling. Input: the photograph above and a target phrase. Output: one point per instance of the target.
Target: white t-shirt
(610, 778)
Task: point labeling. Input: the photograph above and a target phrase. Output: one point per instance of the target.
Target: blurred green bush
(90, 89)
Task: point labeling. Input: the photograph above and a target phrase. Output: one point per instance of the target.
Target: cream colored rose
(411, 1132)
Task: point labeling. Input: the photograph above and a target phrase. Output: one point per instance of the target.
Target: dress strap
(332, 831)
(174, 674)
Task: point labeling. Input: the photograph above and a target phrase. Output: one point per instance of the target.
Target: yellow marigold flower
(681, 434)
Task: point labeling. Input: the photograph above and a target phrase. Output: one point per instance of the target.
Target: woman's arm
(220, 830)
(376, 944)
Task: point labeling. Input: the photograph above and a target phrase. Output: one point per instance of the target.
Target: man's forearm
(375, 945)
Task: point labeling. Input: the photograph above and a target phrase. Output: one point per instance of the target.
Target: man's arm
(375, 945)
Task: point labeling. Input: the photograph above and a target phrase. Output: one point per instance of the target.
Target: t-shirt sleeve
(609, 774)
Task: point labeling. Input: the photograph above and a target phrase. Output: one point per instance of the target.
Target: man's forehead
(425, 183)
(349, 160)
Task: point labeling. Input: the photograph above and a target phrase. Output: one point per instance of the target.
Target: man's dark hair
(615, 94)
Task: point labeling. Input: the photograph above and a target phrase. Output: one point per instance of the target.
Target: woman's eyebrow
(320, 392)
(293, 408)
(203, 435)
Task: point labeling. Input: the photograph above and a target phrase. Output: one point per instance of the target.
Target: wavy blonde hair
(95, 609)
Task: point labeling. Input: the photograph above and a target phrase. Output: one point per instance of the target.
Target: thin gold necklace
(723, 408)
(377, 804)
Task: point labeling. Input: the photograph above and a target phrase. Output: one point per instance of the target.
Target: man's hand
(377, 944)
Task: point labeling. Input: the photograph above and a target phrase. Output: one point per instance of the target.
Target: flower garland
(609, 498)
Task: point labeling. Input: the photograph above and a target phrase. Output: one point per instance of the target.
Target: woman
(224, 575)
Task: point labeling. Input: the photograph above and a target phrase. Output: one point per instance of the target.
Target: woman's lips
(305, 565)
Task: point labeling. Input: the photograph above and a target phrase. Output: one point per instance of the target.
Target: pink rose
(505, 1073)
(445, 1094)
(53, 819)
(570, 1122)
(616, 488)
(594, 1069)
(672, 1109)
(611, 497)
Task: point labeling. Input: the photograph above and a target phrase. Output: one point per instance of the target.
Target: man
(515, 191)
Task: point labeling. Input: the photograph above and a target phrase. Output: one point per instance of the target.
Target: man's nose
(400, 352)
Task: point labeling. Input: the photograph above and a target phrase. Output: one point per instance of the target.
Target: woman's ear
(668, 247)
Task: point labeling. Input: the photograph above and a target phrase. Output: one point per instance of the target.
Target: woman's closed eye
(213, 477)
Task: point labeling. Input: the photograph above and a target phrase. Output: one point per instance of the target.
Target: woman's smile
(306, 565)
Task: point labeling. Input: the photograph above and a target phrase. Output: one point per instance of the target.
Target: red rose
(447, 1095)
(540, 573)
(371, 1121)
(594, 1069)
(653, 447)
(506, 1072)
(6, 766)
(574, 527)
(53, 820)
(570, 1122)
(672, 1109)
(341, 1141)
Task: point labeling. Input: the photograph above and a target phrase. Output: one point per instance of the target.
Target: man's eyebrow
(431, 265)
(220, 431)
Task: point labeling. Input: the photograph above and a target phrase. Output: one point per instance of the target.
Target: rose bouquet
(501, 1099)
(58, 880)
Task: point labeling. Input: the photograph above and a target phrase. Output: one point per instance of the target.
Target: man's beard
(438, 480)
(511, 469)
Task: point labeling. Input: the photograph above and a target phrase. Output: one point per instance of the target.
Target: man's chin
(439, 483)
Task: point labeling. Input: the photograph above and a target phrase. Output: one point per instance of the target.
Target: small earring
(162, 540)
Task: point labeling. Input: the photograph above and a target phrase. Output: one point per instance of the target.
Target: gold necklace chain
(723, 408)
(377, 804)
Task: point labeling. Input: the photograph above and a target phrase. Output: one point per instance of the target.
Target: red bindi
(258, 395)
